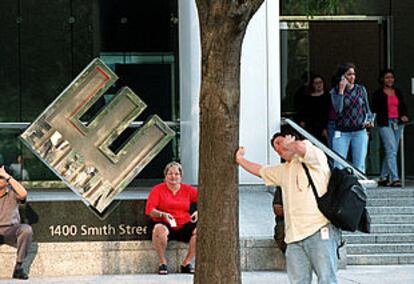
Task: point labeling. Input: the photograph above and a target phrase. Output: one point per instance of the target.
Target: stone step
(399, 201)
(132, 257)
(353, 249)
(378, 238)
(128, 257)
(380, 259)
(389, 193)
(392, 219)
(373, 210)
(392, 228)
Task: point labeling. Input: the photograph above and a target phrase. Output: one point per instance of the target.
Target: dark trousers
(18, 236)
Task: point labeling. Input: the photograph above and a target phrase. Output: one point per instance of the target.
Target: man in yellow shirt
(311, 239)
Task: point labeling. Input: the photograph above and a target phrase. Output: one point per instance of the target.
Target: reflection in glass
(18, 160)
(295, 67)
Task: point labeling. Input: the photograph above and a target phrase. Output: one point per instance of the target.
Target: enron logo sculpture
(79, 153)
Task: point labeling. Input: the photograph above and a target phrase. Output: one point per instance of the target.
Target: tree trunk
(223, 25)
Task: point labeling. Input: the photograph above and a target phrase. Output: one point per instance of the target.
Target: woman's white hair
(173, 164)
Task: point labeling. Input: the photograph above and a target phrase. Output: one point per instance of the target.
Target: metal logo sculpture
(80, 154)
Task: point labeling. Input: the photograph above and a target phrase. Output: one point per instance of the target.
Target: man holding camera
(12, 232)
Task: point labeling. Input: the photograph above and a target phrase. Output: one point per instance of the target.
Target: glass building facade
(45, 44)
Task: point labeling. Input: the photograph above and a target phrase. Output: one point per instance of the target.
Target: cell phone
(343, 78)
(172, 222)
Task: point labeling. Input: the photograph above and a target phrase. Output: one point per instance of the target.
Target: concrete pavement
(389, 274)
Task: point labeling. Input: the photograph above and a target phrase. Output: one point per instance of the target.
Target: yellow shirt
(302, 216)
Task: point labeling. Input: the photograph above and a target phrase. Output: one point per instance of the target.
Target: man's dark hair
(283, 133)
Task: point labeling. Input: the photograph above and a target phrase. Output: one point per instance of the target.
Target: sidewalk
(402, 274)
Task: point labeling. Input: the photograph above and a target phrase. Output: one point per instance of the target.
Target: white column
(259, 81)
(260, 85)
(190, 81)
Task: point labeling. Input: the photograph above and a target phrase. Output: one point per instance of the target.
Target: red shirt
(178, 205)
(393, 102)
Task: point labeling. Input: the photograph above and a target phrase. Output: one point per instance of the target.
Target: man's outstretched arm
(251, 167)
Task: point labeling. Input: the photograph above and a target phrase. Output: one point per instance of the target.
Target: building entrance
(317, 46)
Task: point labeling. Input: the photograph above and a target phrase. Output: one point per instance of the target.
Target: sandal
(396, 183)
(163, 269)
(187, 269)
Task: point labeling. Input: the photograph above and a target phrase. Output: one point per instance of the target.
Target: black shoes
(187, 269)
(387, 183)
(384, 182)
(395, 183)
(163, 269)
(20, 274)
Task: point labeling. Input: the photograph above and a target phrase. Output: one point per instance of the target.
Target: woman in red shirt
(168, 205)
(388, 103)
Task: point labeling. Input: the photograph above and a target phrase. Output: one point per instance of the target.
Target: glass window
(152, 77)
(18, 160)
(294, 41)
(137, 39)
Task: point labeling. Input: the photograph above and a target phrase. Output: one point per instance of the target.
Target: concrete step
(379, 210)
(380, 259)
(379, 238)
(353, 249)
(132, 257)
(392, 219)
(392, 228)
(389, 193)
(398, 201)
(129, 257)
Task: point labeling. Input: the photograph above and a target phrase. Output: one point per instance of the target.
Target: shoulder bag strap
(310, 181)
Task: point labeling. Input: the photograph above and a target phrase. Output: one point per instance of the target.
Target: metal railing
(363, 179)
(402, 154)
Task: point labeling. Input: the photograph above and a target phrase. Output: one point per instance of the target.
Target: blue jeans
(390, 136)
(358, 140)
(315, 253)
(331, 130)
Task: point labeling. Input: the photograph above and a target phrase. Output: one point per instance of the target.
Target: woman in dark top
(314, 108)
(389, 105)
